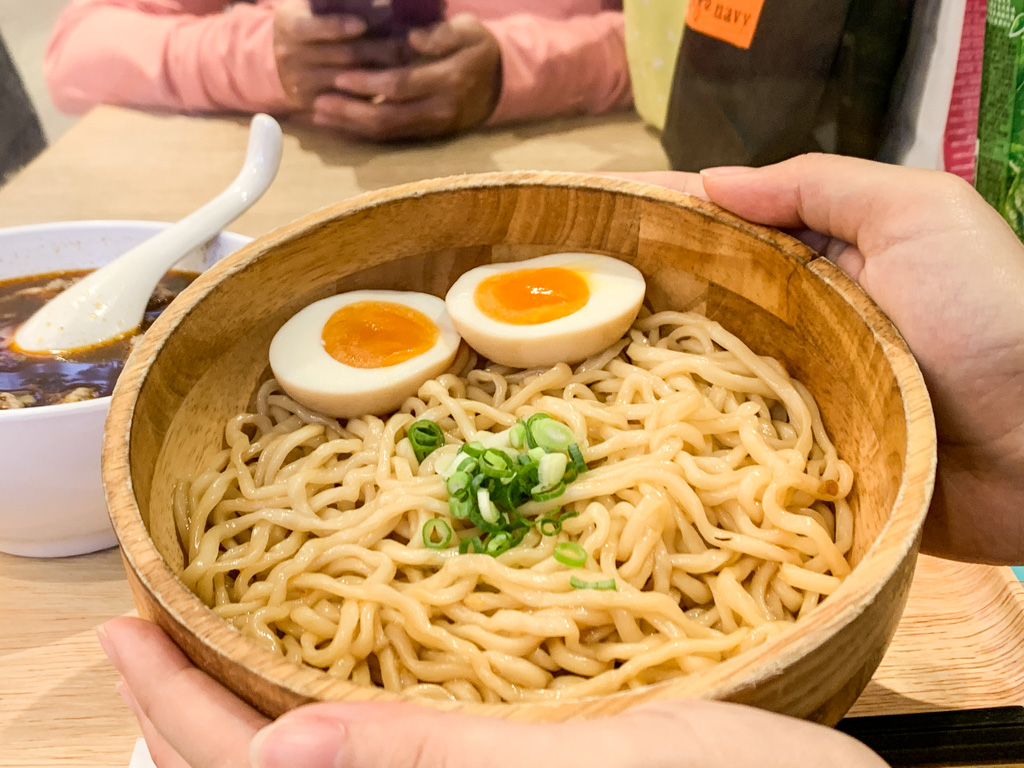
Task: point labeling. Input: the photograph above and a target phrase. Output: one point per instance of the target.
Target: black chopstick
(990, 736)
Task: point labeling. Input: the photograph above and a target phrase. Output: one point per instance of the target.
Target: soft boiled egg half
(363, 352)
(560, 308)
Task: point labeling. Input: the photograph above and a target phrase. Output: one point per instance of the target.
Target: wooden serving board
(960, 643)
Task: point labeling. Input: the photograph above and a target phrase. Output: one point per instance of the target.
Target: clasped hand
(436, 81)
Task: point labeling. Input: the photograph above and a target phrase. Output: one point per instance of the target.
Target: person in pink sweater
(490, 62)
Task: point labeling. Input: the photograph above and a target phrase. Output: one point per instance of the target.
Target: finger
(690, 734)
(198, 718)
(383, 121)
(314, 82)
(162, 754)
(307, 28)
(862, 202)
(687, 183)
(362, 53)
(446, 38)
(400, 84)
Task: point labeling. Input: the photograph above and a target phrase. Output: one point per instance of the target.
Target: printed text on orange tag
(732, 21)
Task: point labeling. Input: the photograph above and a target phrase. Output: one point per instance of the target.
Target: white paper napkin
(140, 756)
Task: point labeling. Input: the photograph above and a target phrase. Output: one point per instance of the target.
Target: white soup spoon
(111, 301)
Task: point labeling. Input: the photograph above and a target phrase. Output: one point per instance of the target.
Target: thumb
(685, 734)
(447, 38)
(868, 204)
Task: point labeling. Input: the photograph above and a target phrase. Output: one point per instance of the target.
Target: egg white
(316, 380)
(616, 295)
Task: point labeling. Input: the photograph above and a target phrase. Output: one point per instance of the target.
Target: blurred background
(26, 25)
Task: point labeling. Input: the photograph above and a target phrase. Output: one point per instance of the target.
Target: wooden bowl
(204, 358)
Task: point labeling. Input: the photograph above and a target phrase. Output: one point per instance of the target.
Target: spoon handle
(111, 301)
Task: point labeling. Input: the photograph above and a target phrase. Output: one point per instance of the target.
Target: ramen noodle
(712, 515)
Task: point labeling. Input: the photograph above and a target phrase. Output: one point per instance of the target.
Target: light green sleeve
(654, 30)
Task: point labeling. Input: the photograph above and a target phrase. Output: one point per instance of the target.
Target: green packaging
(1000, 172)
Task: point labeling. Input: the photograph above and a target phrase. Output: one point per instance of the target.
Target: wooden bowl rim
(743, 672)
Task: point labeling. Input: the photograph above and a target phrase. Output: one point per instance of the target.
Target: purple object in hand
(385, 17)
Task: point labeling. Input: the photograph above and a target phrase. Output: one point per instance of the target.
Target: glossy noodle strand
(714, 500)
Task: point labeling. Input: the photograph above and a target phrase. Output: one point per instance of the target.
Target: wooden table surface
(961, 641)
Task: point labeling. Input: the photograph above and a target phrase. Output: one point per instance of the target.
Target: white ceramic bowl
(51, 495)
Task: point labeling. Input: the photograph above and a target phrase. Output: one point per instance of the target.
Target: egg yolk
(377, 334)
(532, 296)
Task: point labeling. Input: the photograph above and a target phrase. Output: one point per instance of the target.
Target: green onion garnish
(487, 486)
(471, 546)
(425, 437)
(495, 463)
(460, 508)
(605, 584)
(550, 527)
(571, 554)
(441, 528)
(530, 423)
(458, 484)
(577, 459)
(552, 435)
(517, 435)
(550, 471)
(554, 493)
(498, 543)
(473, 449)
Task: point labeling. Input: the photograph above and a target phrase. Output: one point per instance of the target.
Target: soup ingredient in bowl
(560, 308)
(363, 351)
(707, 513)
(30, 379)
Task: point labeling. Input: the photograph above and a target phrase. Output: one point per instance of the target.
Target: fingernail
(310, 745)
(352, 25)
(108, 647)
(726, 170)
(127, 696)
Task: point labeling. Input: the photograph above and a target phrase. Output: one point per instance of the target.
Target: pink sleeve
(184, 55)
(558, 67)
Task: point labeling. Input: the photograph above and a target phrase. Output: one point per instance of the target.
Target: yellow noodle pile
(714, 499)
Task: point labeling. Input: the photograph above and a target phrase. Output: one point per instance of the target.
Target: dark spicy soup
(33, 379)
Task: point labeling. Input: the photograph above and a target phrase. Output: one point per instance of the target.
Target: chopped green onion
(471, 546)
(550, 471)
(474, 449)
(605, 584)
(517, 435)
(571, 554)
(536, 454)
(554, 493)
(441, 528)
(458, 484)
(425, 437)
(552, 435)
(577, 459)
(530, 423)
(490, 479)
(550, 527)
(496, 463)
(460, 508)
(497, 543)
(462, 462)
(488, 511)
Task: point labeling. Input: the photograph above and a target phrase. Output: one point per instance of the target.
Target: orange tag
(732, 21)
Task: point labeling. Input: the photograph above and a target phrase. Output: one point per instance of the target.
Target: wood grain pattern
(203, 359)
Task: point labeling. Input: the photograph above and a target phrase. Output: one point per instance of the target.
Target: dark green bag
(21, 137)
(818, 76)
